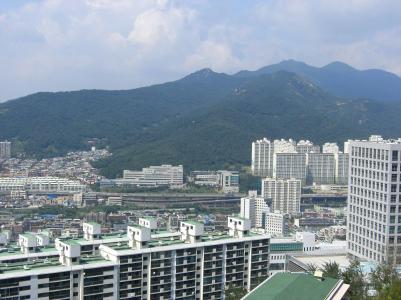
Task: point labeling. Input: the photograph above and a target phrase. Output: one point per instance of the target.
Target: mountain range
(207, 120)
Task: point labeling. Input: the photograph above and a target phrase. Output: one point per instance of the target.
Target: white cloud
(112, 44)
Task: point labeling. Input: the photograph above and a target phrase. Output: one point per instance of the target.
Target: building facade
(290, 165)
(321, 168)
(41, 184)
(5, 149)
(190, 265)
(285, 194)
(156, 176)
(374, 207)
(262, 158)
(255, 209)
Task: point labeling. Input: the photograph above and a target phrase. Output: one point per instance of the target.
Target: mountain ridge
(203, 120)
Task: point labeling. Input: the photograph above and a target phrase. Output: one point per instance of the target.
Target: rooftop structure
(187, 264)
(41, 184)
(298, 286)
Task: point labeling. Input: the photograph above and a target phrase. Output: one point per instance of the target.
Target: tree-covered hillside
(205, 120)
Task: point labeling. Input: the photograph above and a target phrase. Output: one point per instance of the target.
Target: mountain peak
(205, 74)
(338, 66)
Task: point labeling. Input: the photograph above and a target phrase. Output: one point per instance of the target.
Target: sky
(59, 45)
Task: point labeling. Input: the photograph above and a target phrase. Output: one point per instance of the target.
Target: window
(395, 155)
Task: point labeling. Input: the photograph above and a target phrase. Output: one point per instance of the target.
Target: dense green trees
(384, 283)
(204, 121)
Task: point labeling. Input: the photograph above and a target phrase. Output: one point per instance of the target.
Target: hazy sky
(54, 45)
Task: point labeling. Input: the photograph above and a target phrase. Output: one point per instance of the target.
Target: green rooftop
(293, 286)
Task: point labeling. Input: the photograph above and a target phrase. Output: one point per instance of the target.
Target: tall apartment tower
(290, 165)
(5, 149)
(307, 147)
(374, 200)
(262, 158)
(321, 168)
(254, 208)
(285, 194)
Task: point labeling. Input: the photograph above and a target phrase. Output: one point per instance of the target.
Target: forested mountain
(205, 120)
(341, 79)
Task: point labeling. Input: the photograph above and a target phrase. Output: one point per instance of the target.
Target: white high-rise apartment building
(374, 200)
(330, 148)
(189, 264)
(307, 147)
(5, 149)
(284, 146)
(342, 165)
(262, 158)
(289, 165)
(256, 209)
(285, 194)
(284, 159)
(275, 224)
(321, 168)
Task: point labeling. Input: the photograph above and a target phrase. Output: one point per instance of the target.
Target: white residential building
(342, 166)
(284, 146)
(5, 149)
(330, 148)
(41, 184)
(284, 159)
(262, 158)
(374, 195)
(285, 194)
(321, 168)
(155, 176)
(276, 224)
(307, 147)
(289, 165)
(254, 208)
(188, 264)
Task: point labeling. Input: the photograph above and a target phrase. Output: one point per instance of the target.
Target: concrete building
(5, 149)
(289, 165)
(205, 178)
(229, 181)
(321, 168)
(156, 176)
(256, 209)
(307, 147)
(262, 158)
(41, 184)
(342, 165)
(284, 146)
(285, 194)
(276, 224)
(331, 148)
(374, 208)
(190, 265)
(284, 159)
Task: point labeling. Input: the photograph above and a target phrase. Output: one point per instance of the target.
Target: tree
(354, 277)
(383, 276)
(331, 269)
(233, 292)
(312, 268)
(391, 291)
